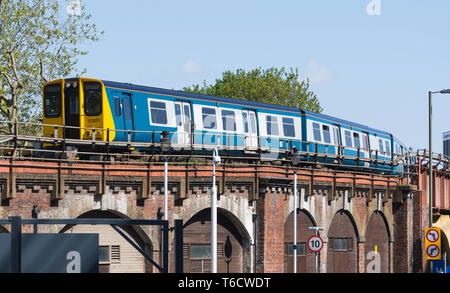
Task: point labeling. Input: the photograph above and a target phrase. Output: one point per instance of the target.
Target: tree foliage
(273, 86)
(39, 42)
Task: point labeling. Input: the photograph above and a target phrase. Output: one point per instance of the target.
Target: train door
(250, 132)
(183, 117)
(365, 149)
(72, 110)
(337, 137)
(128, 122)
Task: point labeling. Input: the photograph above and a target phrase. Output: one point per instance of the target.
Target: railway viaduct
(359, 213)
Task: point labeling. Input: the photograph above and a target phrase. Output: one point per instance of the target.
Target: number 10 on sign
(315, 243)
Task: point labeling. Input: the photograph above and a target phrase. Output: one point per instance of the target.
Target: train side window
(326, 134)
(356, 140)
(366, 142)
(187, 117)
(127, 109)
(178, 114)
(348, 139)
(336, 136)
(245, 121)
(253, 122)
(158, 111)
(272, 125)
(288, 127)
(380, 142)
(209, 118)
(117, 109)
(228, 120)
(388, 146)
(316, 132)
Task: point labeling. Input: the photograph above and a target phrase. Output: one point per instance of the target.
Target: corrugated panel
(186, 251)
(350, 244)
(220, 251)
(115, 253)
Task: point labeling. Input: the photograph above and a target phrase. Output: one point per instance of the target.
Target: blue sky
(371, 69)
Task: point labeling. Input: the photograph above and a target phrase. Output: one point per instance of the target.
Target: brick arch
(305, 262)
(378, 234)
(242, 218)
(387, 219)
(136, 233)
(197, 231)
(79, 204)
(343, 238)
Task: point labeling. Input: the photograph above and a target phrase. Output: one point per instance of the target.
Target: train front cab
(76, 109)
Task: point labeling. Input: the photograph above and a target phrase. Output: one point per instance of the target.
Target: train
(97, 110)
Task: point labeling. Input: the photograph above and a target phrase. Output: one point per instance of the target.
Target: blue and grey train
(122, 112)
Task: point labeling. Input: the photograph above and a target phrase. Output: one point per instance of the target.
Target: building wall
(123, 258)
(344, 208)
(446, 141)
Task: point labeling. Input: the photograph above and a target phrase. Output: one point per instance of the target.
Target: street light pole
(430, 158)
(295, 222)
(216, 161)
(166, 189)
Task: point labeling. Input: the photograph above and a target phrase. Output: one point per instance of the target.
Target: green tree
(273, 86)
(40, 41)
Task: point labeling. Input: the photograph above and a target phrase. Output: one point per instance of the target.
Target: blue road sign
(52, 253)
(439, 267)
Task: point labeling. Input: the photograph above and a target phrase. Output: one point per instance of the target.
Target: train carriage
(96, 110)
(360, 145)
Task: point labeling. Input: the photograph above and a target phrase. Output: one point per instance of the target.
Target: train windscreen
(92, 98)
(52, 100)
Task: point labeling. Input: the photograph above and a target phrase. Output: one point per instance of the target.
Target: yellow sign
(432, 243)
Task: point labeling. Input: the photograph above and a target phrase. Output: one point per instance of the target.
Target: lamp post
(430, 158)
(216, 161)
(295, 160)
(165, 147)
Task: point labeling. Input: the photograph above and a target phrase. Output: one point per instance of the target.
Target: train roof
(140, 88)
(342, 121)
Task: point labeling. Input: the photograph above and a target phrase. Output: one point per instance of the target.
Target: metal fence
(26, 141)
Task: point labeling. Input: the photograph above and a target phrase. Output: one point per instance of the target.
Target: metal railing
(98, 142)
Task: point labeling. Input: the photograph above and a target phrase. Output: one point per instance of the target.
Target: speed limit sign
(315, 243)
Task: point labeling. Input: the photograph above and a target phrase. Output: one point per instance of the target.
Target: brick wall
(270, 233)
